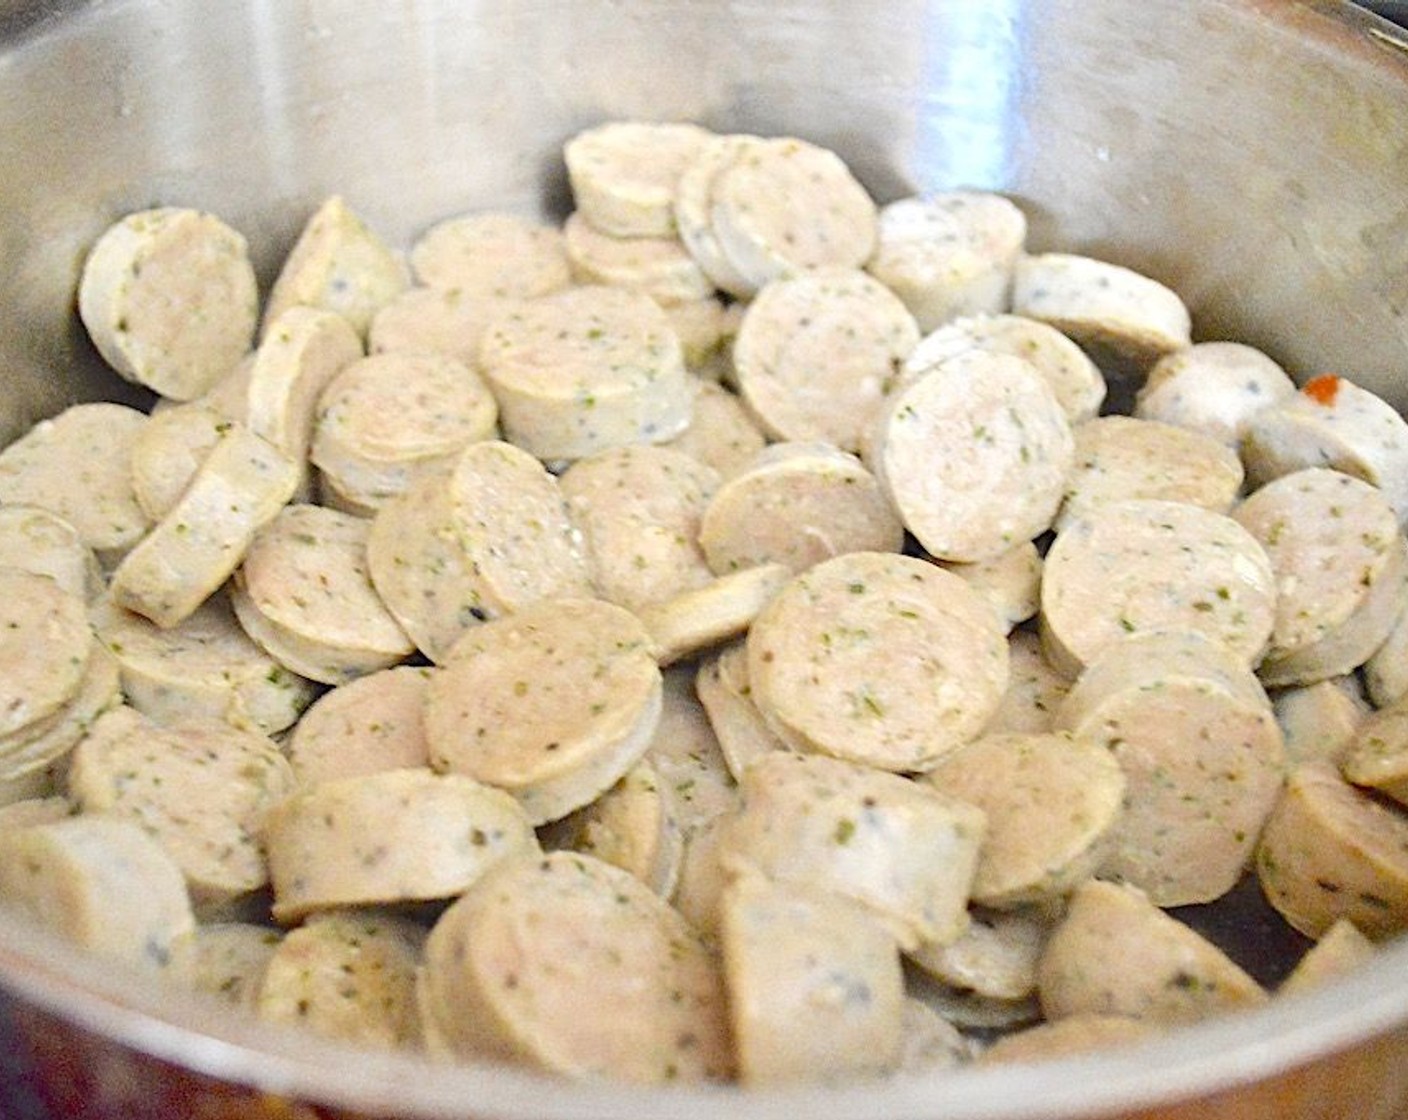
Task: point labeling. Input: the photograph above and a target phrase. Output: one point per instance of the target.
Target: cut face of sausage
(554, 703)
(878, 658)
(510, 966)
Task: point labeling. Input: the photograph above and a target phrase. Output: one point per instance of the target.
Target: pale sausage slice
(1010, 582)
(1075, 1034)
(301, 354)
(633, 826)
(878, 658)
(949, 254)
(902, 848)
(1332, 851)
(348, 976)
(816, 993)
(1339, 563)
(1075, 379)
(723, 688)
(365, 726)
(694, 210)
(1133, 566)
(491, 254)
(491, 535)
(586, 369)
(784, 205)
(170, 300)
(168, 452)
(707, 616)
(390, 837)
(1214, 388)
(817, 351)
(1201, 753)
(1116, 953)
(1320, 720)
(624, 174)
(133, 769)
(553, 703)
(225, 959)
(1341, 949)
(797, 504)
(99, 882)
(687, 757)
(304, 594)
(721, 433)
(1376, 756)
(1104, 304)
(338, 264)
(1120, 457)
(975, 455)
(639, 510)
(204, 667)
(43, 747)
(511, 966)
(385, 420)
(1333, 423)
(995, 958)
(78, 466)
(241, 485)
(44, 544)
(1052, 802)
(45, 643)
(438, 321)
(659, 267)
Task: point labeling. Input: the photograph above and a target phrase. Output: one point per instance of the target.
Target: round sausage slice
(1075, 379)
(304, 594)
(816, 992)
(878, 658)
(797, 504)
(43, 543)
(586, 369)
(133, 769)
(78, 466)
(387, 419)
(785, 205)
(816, 352)
(170, 300)
(1102, 304)
(1116, 953)
(438, 321)
(639, 510)
(493, 255)
(45, 643)
(225, 959)
(491, 535)
(554, 703)
(659, 267)
(624, 174)
(99, 882)
(1339, 561)
(169, 451)
(1134, 566)
(205, 667)
(1052, 802)
(1333, 423)
(241, 485)
(710, 615)
(1202, 757)
(974, 455)
(905, 850)
(1331, 851)
(365, 726)
(390, 837)
(349, 976)
(338, 264)
(1120, 457)
(1214, 388)
(949, 254)
(510, 967)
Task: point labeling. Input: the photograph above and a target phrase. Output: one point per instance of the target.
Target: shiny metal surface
(1251, 153)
